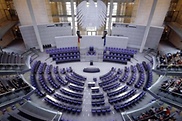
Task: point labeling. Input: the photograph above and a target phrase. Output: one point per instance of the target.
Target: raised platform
(91, 70)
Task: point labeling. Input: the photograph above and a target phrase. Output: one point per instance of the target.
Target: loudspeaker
(91, 63)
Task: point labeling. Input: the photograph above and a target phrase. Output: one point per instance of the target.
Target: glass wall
(122, 12)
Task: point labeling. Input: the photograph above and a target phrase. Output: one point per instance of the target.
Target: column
(73, 16)
(34, 23)
(110, 17)
(148, 25)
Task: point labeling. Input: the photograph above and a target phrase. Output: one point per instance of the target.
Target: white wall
(135, 34)
(95, 41)
(144, 11)
(66, 41)
(47, 32)
(23, 12)
(118, 42)
(88, 41)
(40, 11)
(160, 12)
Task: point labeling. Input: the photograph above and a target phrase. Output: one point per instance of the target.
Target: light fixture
(91, 15)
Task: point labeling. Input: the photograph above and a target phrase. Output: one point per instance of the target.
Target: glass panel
(89, 33)
(115, 6)
(93, 33)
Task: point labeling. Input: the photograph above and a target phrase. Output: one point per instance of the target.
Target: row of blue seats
(95, 89)
(69, 70)
(80, 76)
(55, 70)
(44, 85)
(109, 77)
(37, 88)
(140, 68)
(67, 99)
(133, 68)
(74, 81)
(97, 96)
(149, 77)
(35, 67)
(119, 71)
(130, 103)
(42, 68)
(145, 65)
(52, 81)
(64, 54)
(61, 55)
(132, 79)
(115, 59)
(98, 102)
(110, 73)
(77, 76)
(110, 80)
(121, 50)
(117, 91)
(74, 77)
(67, 59)
(110, 87)
(62, 50)
(61, 80)
(76, 88)
(122, 97)
(67, 108)
(71, 93)
(101, 110)
(49, 69)
(140, 81)
(117, 55)
(125, 75)
(64, 71)
(33, 79)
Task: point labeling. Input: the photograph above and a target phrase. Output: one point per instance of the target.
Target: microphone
(78, 34)
(104, 34)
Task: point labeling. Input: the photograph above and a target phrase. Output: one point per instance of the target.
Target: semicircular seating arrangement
(123, 86)
(62, 55)
(60, 88)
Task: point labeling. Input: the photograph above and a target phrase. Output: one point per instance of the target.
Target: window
(91, 33)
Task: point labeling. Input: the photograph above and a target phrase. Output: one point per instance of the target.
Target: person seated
(180, 90)
(171, 88)
(163, 60)
(165, 84)
(167, 112)
(152, 111)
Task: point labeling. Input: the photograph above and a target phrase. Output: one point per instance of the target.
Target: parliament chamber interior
(90, 60)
